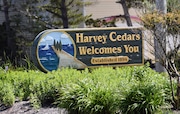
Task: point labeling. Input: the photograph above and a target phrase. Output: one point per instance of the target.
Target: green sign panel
(81, 48)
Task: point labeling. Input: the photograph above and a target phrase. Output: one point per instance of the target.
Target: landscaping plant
(104, 90)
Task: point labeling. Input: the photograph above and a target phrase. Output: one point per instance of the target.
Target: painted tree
(57, 45)
(168, 39)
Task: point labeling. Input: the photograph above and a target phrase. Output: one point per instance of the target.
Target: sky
(49, 38)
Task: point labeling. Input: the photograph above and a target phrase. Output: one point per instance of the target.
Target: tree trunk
(7, 22)
(178, 93)
(126, 12)
(10, 34)
(161, 6)
(64, 14)
(178, 88)
(172, 71)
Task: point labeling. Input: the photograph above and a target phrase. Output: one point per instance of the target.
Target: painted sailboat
(46, 47)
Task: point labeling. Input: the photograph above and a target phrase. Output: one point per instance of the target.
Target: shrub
(7, 96)
(86, 96)
(103, 90)
(148, 94)
(109, 91)
(46, 89)
(142, 99)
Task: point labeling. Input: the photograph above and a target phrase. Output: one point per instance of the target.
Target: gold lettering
(114, 50)
(93, 38)
(79, 37)
(119, 50)
(124, 37)
(108, 50)
(131, 49)
(100, 39)
(104, 39)
(129, 37)
(89, 51)
(103, 50)
(136, 48)
(86, 39)
(109, 60)
(126, 48)
(93, 50)
(138, 37)
(133, 36)
(96, 50)
(82, 50)
(111, 36)
(118, 37)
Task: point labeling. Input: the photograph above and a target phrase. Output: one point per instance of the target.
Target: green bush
(47, 88)
(109, 91)
(7, 96)
(103, 90)
(85, 96)
(142, 99)
(148, 94)
(29, 85)
(6, 93)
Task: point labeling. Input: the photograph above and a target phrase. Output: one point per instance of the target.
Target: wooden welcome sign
(81, 48)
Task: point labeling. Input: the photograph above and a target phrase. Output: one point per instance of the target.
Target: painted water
(49, 58)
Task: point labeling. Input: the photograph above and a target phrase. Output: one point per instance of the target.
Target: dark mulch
(24, 107)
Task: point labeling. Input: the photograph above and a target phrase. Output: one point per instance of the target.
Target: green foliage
(138, 3)
(107, 91)
(87, 97)
(165, 28)
(173, 5)
(101, 22)
(6, 93)
(150, 92)
(17, 64)
(25, 85)
(65, 13)
(142, 99)
(103, 90)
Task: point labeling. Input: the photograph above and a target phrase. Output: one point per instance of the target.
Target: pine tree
(65, 13)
